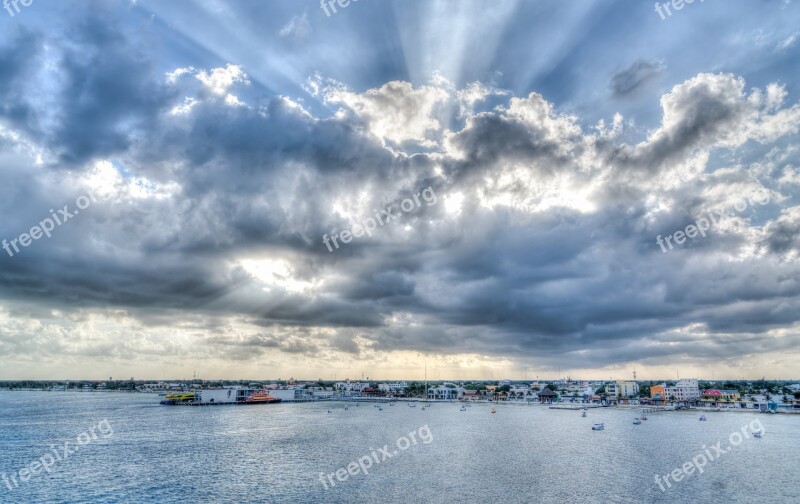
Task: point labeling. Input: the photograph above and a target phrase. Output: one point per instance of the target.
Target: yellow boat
(178, 397)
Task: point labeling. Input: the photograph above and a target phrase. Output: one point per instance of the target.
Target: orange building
(658, 393)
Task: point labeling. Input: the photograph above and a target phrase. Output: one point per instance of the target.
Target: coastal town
(762, 395)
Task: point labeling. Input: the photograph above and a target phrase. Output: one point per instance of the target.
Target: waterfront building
(715, 395)
(547, 396)
(684, 391)
(445, 393)
(348, 388)
(393, 388)
(658, 393)
(621, 389)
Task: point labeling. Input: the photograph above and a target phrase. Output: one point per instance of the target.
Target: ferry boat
(178, 398)
(598, 426)
(261, 398)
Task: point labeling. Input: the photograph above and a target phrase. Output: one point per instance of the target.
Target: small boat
(412, 405)
(380, 408)
(757, 433)
(644, 417)
(702, 418)
(583, 414)
(636, 421)
(463, 408)
(346, 408)
(598, 426)
(494, 410)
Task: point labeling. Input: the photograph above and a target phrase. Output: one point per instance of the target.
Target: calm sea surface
(274, 453)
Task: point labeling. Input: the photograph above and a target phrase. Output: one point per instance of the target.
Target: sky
(468, 189)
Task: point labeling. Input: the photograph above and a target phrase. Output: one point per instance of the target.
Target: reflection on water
(275, 453)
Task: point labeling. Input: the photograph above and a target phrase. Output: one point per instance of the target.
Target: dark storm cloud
(18, 60)
(636, 76)
(550, 256)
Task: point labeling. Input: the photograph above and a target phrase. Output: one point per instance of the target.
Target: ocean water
(275, 453)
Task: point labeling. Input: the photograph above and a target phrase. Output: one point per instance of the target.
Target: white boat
(412, 405)
(463, 408)
(702, 418)
(380, 408)
(636, 421)
(583, 414)
(757, 433)
(644, 417)
(494, 410)
(598, 426)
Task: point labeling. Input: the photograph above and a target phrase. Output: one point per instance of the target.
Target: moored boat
(261, 398)
(178, 398)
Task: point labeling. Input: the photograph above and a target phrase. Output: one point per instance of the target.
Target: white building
(393, 388)
(292, 394)
(622, 389)
(351, 388)
(684, 390)
(445, 393)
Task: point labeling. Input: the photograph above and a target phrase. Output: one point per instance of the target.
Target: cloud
(541, 249)
(297, 28)
(632, 79)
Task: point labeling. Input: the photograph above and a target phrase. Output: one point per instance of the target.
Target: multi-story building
(351, 388)
(685, 391)
(393, 388)
(622, 389)
(721, 395)
(658, 393)
(445, 393)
